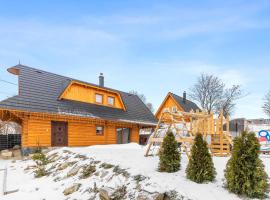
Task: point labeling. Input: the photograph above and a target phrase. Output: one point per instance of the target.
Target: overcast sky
(150, 46)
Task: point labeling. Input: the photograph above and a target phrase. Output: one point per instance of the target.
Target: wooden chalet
(55, 110)
(174, 103)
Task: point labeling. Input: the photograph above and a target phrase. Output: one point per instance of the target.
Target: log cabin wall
(86, 93)
(36, 131)
(168, 103)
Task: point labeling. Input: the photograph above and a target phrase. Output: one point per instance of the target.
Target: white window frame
(99, 128)
(113, 101)
(97, 95)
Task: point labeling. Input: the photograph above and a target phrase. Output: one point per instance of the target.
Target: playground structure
(264, 139)
(185, 125)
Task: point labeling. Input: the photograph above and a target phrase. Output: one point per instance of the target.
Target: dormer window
(99, 98)
(111, 101)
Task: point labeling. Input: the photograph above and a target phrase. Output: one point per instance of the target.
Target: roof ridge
(70, 78)
(183, 98)
(185, 105)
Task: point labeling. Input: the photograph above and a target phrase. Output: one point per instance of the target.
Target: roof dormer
(83, 92)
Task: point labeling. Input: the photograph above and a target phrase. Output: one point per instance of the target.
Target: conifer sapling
(169, 156)
(244, 173)
(200, 167)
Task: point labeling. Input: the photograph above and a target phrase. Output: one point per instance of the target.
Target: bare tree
(210, 92)
(7, 127)
(230, 96)
(207, 91)
(150, 106)
(144, 100)
(266, 104)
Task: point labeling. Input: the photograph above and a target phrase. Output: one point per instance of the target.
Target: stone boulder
(16, 147)
(73, 171)
(17, 153)
(104, 173)
(6, 154)
(142, 197)
(105, 193)
(63, 166)
(159, 196)
(75, 187)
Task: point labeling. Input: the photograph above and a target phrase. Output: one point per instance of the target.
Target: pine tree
(244, 173)
(169, 156)
(200, 167)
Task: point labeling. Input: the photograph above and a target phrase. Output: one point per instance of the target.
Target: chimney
(184, 97)
(101, 80)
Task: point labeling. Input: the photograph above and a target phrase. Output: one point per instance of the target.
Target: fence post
(4, 189)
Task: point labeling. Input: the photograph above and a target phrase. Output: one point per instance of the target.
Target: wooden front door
(59, 133)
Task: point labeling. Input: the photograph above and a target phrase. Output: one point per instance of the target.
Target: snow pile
(115, 169)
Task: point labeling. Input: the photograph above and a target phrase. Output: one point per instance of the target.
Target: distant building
(237, 126)
(174, 103)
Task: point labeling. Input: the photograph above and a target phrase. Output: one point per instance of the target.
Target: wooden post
(227, 124)
(221, 132)
(191, 126)
(154, 134)
(212, 124)
(216, 131)
(4, 185)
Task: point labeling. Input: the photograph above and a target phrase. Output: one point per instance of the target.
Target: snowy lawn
(130, 157)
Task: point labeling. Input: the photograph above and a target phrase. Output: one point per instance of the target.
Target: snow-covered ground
(129, 157)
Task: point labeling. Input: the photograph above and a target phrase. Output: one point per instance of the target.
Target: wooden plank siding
(86, 93)
(36, 131)
(169, 102)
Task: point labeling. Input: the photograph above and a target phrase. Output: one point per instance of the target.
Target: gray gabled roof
(40, 90)
(186, 105)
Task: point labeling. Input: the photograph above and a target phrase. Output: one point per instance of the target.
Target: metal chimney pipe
(101, 80)
(184, 97)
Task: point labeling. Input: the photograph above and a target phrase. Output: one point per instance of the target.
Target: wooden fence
(9, 141)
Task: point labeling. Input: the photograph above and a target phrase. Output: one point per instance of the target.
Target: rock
(96, 173)
(17, 153)
(73, 171)
(106, 165)
(63, 166)
(67, 151)
(142, 197)
(6, 154)
(53, 157)
(17, 147)
(120, 192)
(95, 162)
(169, 198)
(75, 187)
(159, 196)
(57, 179)
(138, 178)
(105, 193)
(80, 156)
(103, 174)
